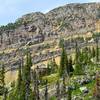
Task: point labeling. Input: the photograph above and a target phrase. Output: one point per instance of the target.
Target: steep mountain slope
(68, 19)
(43, 31)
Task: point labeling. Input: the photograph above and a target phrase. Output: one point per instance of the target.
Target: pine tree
(69, 94)
(93, 52)
(97, 50)
(37, 89)
(36, 86)
(48, 69)
(61, 43)
(78, 69)
(67, 71)
(78, 61)
(19, 87)
(26, 77)
(46, 90)
(2, 81)
(63, 63)
(58, 90)
(18, 90)
(64, 87)
(5, 94)
(96, 92)
(70, 66)
(19, 78)
(76, 52)
(54, 65)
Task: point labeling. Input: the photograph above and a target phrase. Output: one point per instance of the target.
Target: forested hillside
(52, 56)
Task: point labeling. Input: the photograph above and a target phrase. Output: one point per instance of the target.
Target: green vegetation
(22, 91)
(65, 79)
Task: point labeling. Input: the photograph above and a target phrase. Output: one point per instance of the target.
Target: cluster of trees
(27, 85)
(22, 89)
(82, 59)
(11, 26)
(65, 64)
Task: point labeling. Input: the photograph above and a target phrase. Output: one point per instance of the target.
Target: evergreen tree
(67, 71)
(36, 86)
(93, 52)
(96, 92)
(2, 81)
(64, 87)
(27, 75)
(5, 94)
(18, 92)
(63, 63)
(69, 94)
(79, 59)
(37, 89)
(54, 65)
(23, 91)
(3, 89)
(58, 90)
(46, 90)
(97, 50)
(76, 52)
(61, 43)
(48, 68)
(78, 69)
(19, 81)
(26, 92)
(70, 66)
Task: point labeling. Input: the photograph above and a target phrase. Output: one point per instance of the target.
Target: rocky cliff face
(36, 28)
(74, 18)
(71, 18)
(68, 19)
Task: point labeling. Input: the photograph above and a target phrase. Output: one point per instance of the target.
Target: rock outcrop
(36, 28)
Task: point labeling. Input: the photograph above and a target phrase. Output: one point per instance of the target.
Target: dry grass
(11, 76)
(8, 50)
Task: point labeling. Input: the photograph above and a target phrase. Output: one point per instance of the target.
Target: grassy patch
(53, 98)
(0, 97)
(51, 78)
(90, 88)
